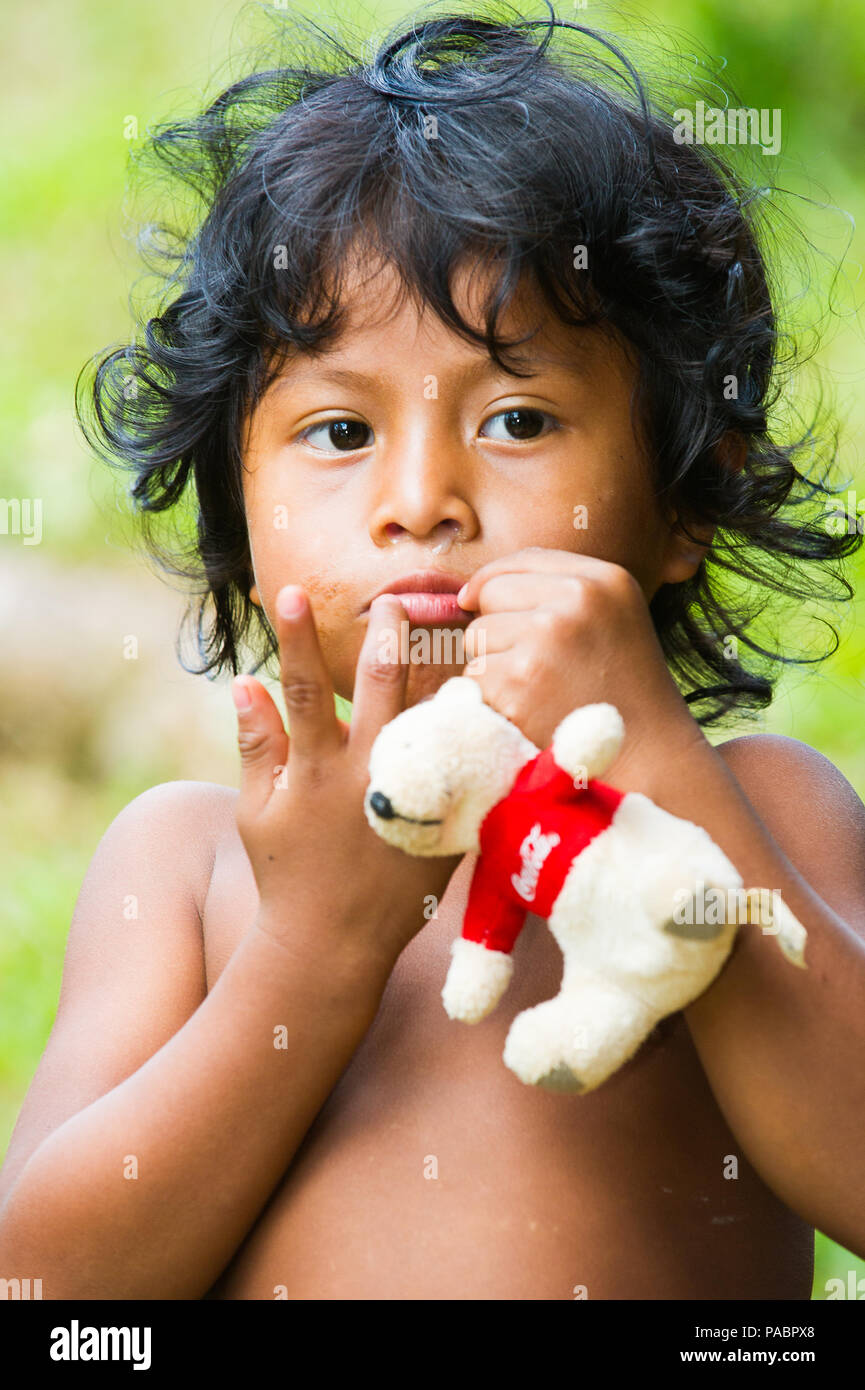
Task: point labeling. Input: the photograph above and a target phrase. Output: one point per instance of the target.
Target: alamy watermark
(77, 1343)
(422, 646)
(732, 125)
(24, 1289)
(846, 520)
(22, 516)
(724, 906)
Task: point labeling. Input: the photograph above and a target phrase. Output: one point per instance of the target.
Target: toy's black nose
(382, 807)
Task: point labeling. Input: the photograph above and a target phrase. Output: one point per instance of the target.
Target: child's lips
(433, 608)
(428, 596)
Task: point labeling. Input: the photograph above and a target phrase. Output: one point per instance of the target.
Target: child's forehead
(381, 312)
(373, 291)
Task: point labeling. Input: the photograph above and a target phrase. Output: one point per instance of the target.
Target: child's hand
(561, 630)
(300, 811)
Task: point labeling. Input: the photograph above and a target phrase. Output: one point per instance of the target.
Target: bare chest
(432, 1172)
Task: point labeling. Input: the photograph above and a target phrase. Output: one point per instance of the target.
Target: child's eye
(523, 422)
(345, 434)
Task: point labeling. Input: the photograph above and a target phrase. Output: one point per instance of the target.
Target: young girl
(466, 319)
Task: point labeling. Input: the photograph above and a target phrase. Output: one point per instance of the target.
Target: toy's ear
(460, 690)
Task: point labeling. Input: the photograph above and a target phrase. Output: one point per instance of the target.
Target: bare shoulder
(787, 772)
(189, 816)
(811, 810)
(133, 970)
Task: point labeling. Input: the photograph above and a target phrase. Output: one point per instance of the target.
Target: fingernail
(289, 601)
(460, 595)
(240, 694)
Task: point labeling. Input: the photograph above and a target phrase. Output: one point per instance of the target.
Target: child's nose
(446, 534)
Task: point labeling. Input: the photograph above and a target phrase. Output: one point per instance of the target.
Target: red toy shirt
(528, 841)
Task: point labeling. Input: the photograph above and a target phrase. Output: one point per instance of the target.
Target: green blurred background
(84, 729)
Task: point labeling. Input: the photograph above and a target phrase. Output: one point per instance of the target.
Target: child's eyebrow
(345, 376)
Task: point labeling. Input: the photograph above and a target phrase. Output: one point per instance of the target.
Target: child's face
(430, 457)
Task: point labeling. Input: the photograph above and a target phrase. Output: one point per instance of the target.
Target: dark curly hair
(481, 134)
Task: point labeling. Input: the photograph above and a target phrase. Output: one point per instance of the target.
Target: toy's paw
(577, 1040)
(588, 740)
(688, 921)
(769, 911)
(476, 981)
(691, 897)
(560, 1078)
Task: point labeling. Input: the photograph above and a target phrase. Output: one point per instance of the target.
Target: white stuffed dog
(630, 892)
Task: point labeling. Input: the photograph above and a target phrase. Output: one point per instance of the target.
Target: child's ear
(254, 597)
(684, 552)
(732, 450)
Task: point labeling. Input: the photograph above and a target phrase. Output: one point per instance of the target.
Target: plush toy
(638, 900)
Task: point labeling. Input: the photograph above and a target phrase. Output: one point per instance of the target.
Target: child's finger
(379, 684)
(306, 686)
(262, 742)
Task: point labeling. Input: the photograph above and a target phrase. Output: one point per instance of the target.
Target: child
(466, 319)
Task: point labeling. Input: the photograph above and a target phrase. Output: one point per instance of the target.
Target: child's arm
(783, 1049)
(137, 1178)
(161, 1119)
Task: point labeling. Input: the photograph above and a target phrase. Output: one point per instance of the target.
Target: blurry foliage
(67, 267)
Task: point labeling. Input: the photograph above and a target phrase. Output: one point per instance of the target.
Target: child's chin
(424, 680)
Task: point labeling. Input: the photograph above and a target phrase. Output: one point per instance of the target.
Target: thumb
(262, 741)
